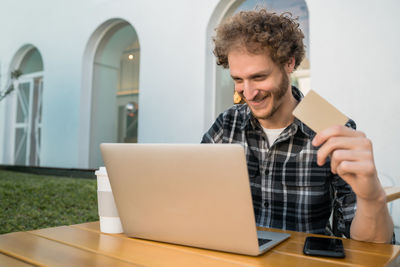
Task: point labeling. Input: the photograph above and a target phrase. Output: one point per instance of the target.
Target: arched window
(115, 89)
(26, 104)
(224, 86)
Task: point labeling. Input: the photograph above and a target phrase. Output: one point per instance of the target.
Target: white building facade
(125, 71)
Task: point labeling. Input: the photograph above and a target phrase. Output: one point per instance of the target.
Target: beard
(276, 95)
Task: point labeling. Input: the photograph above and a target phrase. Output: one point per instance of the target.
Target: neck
(283, 117)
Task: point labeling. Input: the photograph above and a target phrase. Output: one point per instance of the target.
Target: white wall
(355, 65)
(2, 110)
(353, 59)
(172, 40)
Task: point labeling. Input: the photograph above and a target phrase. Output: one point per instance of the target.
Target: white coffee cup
(108, 213)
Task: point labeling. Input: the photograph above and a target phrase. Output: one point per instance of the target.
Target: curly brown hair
(258, 31)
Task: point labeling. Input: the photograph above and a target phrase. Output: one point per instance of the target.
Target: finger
(355, 169)
(338, 130)
(349, 155)
(342, 143)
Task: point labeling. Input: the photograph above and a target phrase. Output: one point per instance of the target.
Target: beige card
(317, 113)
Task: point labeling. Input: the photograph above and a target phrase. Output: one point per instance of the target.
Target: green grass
(29, 201)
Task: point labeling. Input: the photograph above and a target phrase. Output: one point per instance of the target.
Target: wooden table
(85, 245)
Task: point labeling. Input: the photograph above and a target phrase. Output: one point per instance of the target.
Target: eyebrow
(255, 75)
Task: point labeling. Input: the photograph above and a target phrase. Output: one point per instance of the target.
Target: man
(296, 176)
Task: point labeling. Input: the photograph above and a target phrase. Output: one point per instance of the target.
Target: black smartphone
(324, 246)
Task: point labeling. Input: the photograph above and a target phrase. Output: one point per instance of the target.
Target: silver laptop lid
(195, 195)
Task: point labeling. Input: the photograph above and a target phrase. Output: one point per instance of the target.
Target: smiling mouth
(259, 99)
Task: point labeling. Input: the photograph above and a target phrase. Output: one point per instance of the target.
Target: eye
(237, 80)
(259, 78)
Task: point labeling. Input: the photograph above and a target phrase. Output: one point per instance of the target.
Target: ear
(289, 66)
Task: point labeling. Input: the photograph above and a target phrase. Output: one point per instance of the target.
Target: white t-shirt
(272, 134)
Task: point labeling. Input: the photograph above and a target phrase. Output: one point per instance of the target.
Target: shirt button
(266, 204)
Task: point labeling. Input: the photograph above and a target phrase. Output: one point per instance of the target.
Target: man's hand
(352, 159)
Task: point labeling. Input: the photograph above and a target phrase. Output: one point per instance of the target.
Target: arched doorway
(223, 84)
(26, 107)
(115, 89)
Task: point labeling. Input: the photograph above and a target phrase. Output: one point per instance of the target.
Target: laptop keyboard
(263, 241)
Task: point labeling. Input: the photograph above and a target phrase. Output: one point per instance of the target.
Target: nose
(249, 90)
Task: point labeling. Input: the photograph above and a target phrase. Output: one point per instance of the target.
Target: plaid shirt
(290, 191)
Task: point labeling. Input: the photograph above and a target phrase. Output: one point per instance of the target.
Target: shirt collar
(250, 121)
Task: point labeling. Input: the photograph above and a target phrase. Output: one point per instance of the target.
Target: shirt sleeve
(344, 202)
(215, 133)
(344, 207)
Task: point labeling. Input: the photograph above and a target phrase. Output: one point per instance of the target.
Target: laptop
(196, 195)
